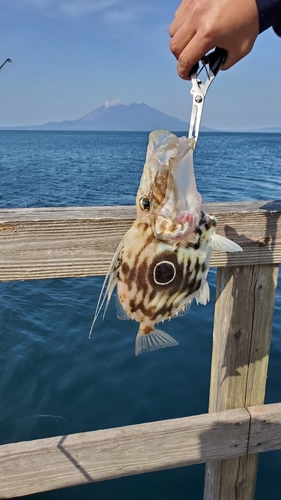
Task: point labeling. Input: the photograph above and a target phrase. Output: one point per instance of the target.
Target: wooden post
(241, 341)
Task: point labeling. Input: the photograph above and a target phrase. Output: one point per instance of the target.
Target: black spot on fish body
(173, 285)
(164, 272)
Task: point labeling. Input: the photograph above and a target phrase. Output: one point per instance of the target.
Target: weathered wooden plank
(241, 341)
(45, 464)
(41, 465)
(80, 241)
(265, 432)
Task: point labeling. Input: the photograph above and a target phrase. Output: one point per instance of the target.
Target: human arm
(270, 15)
(201, 25)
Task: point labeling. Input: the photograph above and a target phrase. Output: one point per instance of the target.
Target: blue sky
(70, 56)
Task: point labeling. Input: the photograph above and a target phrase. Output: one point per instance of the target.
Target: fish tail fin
(156, 339)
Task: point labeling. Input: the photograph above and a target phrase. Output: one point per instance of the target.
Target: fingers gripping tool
(212, 63)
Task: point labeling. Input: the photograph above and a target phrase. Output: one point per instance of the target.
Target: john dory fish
(162, 262)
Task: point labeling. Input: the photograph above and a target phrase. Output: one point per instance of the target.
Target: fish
(162, 262)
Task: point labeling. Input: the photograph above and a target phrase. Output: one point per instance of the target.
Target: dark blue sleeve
(270, 15)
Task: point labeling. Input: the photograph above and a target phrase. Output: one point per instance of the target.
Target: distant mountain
(268, 130)
(265, 130)
(135, 117)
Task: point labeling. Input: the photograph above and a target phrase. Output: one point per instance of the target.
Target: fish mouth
(176, 203)
(181, 228)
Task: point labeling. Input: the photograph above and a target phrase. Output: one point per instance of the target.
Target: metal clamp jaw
(212, 64)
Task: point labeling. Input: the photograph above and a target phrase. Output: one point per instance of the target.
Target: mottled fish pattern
(163, 260)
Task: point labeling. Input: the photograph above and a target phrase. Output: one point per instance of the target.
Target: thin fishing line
(55, 417)
(12, 201)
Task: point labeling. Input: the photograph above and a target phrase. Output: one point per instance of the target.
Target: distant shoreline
(211, 131)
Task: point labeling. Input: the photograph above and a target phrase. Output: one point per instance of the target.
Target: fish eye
(164, 272)
(144, 204)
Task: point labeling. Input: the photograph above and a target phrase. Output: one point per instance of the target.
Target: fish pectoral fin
(223, 244)
(157, 339)
(204, 295)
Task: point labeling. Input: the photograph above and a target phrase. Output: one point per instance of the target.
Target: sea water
(53, 379)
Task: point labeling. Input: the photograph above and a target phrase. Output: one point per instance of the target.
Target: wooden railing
(72, 242)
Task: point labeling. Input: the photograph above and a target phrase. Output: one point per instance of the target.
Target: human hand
(201, 25)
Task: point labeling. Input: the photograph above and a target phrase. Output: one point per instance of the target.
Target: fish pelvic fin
(223, 244)
(156, 339)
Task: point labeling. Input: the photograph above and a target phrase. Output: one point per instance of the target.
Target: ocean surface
(53, 379)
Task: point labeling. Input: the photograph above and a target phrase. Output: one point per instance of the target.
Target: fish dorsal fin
(110, 281)
(120, 311)
(223, 244)
(157, 339)
(204, 295)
